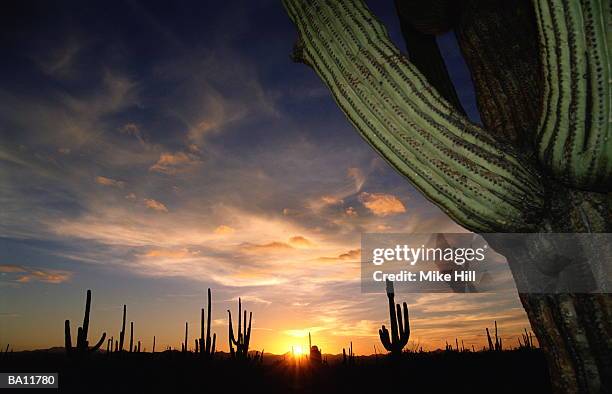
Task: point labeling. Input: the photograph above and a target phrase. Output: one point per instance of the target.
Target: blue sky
(151, 150)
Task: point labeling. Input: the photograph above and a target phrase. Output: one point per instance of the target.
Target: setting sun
(297, 350)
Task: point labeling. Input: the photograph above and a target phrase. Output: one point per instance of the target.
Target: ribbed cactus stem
(153, 344)
(573, 138)
(480, 182)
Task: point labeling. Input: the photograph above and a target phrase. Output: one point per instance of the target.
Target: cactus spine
(400, 329)
(244, 334)
(82, 345)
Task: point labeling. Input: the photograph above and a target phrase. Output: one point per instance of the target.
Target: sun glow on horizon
(297, 350)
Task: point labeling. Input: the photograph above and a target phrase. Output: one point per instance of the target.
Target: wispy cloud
(23, 274)
(155, 205)
(101, 180)
(172, 163)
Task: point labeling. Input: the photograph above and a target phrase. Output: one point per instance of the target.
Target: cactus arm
(454, 163)
(424, 53)
(574, 138)
(384, 338)
(392, 317)
(232, 339)
(239, 321)
(405, 333)
(214, 340)
(489, 339)
(100, 342)
(248, 334)
(400, 325)
(244, 331)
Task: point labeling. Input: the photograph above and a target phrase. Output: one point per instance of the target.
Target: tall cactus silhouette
(244, 334)
(122, 333)
(541, 162)
(400, 328)
(207, 348)
(82, 345)
(131, 336)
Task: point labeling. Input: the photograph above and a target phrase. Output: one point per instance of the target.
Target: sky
(149, 151)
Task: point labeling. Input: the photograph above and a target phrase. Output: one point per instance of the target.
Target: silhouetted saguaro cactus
(527, 342)
(82, 344)
(186, 344)
(207, 349)
(122, 333)
(314, 352)
(350, 358)
(497, 346)
(244, 334)
(131, 337)
(400, 329)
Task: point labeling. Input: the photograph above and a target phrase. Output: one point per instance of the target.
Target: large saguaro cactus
(541, 162)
